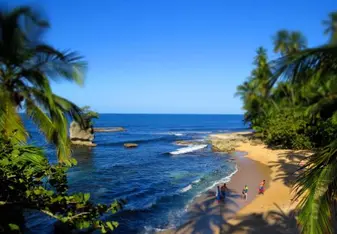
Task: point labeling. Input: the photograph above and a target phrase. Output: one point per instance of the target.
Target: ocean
(159, 178)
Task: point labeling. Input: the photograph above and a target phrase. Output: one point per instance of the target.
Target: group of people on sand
(261, 189)
(221, 192)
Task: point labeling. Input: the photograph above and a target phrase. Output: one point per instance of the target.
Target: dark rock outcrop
(130, 145)
(110, 129)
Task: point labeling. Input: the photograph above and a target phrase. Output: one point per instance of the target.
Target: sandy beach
(273, 212)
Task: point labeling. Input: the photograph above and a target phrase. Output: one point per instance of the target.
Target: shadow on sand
(217, 213)
(206, 217)
(211, 217)
(276, 222)
(288, 166)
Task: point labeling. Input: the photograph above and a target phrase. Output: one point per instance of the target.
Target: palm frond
(41, 119)
(316, 188)
(298, 67)
(10, 121)
(60, 64)
(70, 109)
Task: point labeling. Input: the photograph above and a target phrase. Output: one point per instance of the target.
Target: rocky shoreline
(228, 143)
(110, 129)
(85, 137)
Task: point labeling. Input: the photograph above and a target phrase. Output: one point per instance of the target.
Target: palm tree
(262, 72)
(286, 42)
(297, 42)
(281, 42)
(26, 66)
(317, 185)
(331, 27)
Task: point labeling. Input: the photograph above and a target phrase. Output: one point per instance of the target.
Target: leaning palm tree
(331, 27)
(27, 65)
(316, 186)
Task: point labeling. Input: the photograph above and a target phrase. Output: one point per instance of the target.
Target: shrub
(285, 129)
(28, 181)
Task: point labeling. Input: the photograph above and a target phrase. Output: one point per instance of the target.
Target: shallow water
(157, 184)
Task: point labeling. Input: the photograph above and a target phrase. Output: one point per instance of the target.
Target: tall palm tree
(331, 27)
(287, 42)
(26, 66)
(317, 184)
(262, 72)
(280, 41)
(253, 92)
(297, 42)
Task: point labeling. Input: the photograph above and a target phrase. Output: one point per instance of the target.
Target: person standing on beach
(245, 192)
(224, 190)
(218, 194)
(261, 187)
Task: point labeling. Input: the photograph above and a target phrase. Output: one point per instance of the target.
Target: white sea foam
(223, 180)
(188, 149)
(185, 189)
(151, 230)
(196, 181)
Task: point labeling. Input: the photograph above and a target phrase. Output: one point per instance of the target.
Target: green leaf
(334, 118)
(86, 197)
(115, 224)
(73, 161)
(37, 191)
(109, 224)
(14, 227)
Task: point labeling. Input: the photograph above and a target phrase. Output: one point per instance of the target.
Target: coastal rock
(187, 143)
(84, 143)
(110, 129)
(130, 145)
(228, 142)
(225, 145)
(79, 136)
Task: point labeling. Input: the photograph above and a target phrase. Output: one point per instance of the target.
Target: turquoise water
(158, 185)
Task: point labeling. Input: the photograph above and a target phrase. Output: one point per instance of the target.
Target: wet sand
(207, 215)
(273, 212)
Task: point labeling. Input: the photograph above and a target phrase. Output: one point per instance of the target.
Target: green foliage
(299, 111)
(286, 42)
(27, 64)
(88, 115)
(254, 91)
(287, 131)
(28, 181)
(331, 27)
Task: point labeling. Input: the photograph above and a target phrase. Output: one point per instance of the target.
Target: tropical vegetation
(27, 180)
(291, 102)
(88, 115)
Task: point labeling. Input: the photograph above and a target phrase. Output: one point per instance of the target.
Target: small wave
(188, 149)
(185, 189)
(222, 180)
(169, 133)
(151, 230)
(196, 181)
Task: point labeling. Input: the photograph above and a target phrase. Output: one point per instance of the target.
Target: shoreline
(272, 212)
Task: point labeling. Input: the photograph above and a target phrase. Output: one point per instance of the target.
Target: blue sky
(172, 56)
